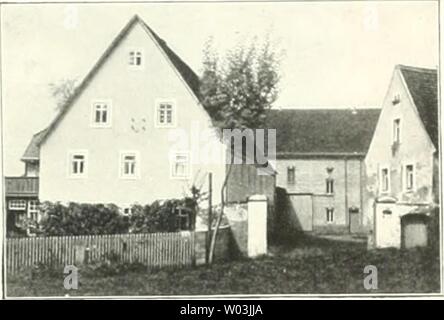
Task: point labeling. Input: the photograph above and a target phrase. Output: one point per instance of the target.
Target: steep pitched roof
(187, 74)
(423, 87)
(322, 131)
(32, 152)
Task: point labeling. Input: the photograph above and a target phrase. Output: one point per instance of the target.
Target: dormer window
(101, 114)
(135, 58)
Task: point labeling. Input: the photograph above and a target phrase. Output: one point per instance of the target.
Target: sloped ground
(309, 265)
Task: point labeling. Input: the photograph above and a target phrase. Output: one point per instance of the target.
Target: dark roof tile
(323, 131)
(422, 84)
(32, 152)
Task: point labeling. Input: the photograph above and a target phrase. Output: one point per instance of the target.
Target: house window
(165, 114)
(329, 214)
(396, 130)
(135, 58)
(180, 167)
(385, 180)
(101, 114)
(409, 177)
(77, 164)
(396, 99)
(17, 204)
(33, 210)
(329, 183)
(129, 164)
(127, 211)
(291, 176)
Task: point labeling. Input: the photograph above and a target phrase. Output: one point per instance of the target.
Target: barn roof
(423, 87)
(322, 131)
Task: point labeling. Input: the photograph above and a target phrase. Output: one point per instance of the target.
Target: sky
(335, 54)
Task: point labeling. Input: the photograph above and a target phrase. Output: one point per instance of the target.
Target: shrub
(160, 216)
(97, 219)
(82, 219)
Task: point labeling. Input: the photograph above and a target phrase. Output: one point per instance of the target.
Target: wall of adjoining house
(244, 181)
(415, 148)
(133, 94)
(32, 169)
(310, 178)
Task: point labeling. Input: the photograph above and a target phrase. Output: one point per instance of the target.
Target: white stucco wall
(133, 94)
(415, 148)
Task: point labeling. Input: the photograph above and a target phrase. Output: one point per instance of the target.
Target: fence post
(80, 253)
(257, 225)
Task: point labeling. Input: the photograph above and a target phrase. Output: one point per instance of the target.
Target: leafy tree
(62, 91)
(237, 91)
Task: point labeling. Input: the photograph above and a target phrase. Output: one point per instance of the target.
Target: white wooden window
(17, 204)
(329, 215)
(385, 180)
(33, 210)
(165, 114)
(78, 161)
(180, 166)
(409, 177)
(329, 185)
(135, 57)
(397, 130)
(101, 114)
(129, 164)
(127, 211)
(291, 175)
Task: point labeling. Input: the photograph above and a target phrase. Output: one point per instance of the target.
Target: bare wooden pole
(210, 213)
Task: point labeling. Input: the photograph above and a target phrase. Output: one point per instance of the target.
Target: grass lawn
(319, 266)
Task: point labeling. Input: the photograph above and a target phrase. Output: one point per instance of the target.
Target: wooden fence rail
(153, 250)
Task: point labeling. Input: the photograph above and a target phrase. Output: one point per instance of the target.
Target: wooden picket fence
(153, 250)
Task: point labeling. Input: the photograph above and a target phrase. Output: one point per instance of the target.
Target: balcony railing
(21, 186)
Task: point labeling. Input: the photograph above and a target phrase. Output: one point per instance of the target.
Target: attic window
(135, 58)
(396, 99)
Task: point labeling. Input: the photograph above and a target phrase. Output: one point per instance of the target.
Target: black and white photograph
(205, 149)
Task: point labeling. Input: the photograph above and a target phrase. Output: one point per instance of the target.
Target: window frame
(36, 210)
(173, 158)
(405, 177)
(71, 154)
(293, 170)
(109, 116)
(158, 103)
(329, 211)
(381, 189)
(136, 50)
(329, 182)
(13, 208)
(122, 155)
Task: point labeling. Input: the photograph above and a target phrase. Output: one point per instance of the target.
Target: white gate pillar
(257, 225)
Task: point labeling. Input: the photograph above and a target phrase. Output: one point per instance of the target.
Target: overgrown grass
(319, 269)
